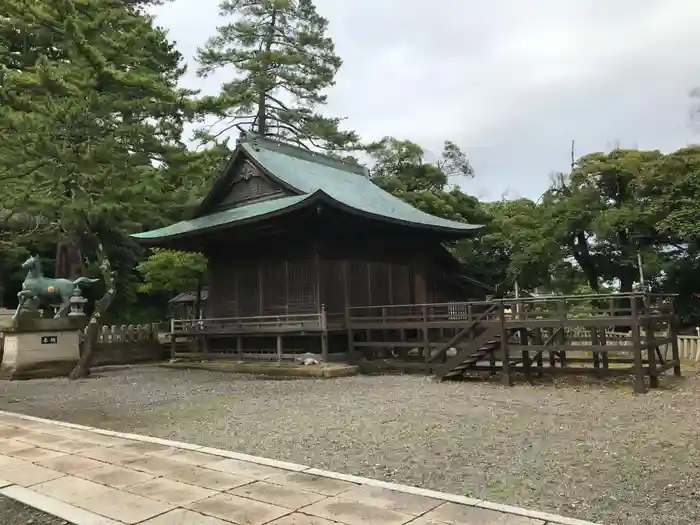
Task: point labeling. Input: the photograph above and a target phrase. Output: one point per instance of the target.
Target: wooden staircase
(485, 343)
(481, 341)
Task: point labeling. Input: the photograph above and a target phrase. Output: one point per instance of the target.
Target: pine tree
(283, 62)
(90, 112)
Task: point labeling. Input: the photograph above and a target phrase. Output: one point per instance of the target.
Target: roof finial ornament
(241, 136)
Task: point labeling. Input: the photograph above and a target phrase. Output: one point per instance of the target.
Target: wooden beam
(348, 324)
(639, 383)
(317, 275)
(505, 357)
(259, 267)
(420, 293)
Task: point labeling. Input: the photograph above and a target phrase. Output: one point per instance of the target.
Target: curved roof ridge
(255, 142)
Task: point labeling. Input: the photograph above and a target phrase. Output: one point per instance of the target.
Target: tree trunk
(264, 86)
(198, 300)
(582, 254)
(82, 369)
(69, 260)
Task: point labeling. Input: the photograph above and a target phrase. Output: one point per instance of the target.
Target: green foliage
(668, 192)
(172, 271)
(283, 61)
(84, 129)
(399, 168)
(91, 119)
(514, 243)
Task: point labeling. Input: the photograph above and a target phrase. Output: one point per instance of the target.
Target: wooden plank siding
(265, 286)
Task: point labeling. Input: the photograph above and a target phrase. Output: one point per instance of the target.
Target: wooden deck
(602, 335)
(619, 334)
(198, 338)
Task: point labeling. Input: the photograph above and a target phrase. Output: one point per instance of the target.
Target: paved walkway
(89, 476)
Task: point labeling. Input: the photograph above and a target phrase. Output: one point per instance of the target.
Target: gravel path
(15, 513)
(577, 449)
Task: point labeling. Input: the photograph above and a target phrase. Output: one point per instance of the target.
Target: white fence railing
(689, 347)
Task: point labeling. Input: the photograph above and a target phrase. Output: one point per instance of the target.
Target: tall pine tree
(90, 113)
(283, 62)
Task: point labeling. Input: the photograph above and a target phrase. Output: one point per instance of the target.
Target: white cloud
(512, 82)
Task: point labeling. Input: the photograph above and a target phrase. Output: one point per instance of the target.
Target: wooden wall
(274, 286)
(294, 286)
(299, 264)
(247, 288)
(363, 283)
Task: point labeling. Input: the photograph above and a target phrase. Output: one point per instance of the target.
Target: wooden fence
(127, 344)
(688, 345)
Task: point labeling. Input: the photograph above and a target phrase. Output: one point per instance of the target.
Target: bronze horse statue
(37, 289)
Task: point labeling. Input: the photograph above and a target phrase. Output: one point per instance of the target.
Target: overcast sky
(512, 82)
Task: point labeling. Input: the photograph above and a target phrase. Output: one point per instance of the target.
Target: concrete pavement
(89, 476)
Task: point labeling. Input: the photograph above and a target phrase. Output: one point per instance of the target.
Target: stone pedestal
(40, 348)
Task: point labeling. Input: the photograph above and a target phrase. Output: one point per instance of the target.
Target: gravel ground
(15, 513)
(577, 448)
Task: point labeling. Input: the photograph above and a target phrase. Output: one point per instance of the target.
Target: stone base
(40, 348)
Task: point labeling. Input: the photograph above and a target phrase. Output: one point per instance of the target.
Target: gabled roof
(310, 177)
(252, 212)
(189, 297)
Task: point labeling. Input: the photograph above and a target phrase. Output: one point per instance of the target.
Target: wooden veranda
(603, 335)
(268, 338)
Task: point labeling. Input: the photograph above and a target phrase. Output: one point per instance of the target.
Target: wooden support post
(539, 341)
(505, 357)
(426, 337)
(492, 362)
(602, 337)
(551, 354)
(352, 358)
(420, 289)
(561, 309)
(279, 349)
(595, 341)
(384, 337)
(324, 334)
(639, 383)
(239, 346)
(650, 345)
(673, 334)
(318, 294)
(173, 340)
(527, 362)
(261, 289)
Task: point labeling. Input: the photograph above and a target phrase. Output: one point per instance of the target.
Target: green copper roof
(309, 172)
(253, 211)
(313, 176)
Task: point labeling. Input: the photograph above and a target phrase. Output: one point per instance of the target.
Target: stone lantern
(77, 304)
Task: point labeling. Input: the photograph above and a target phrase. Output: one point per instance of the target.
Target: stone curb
(550, 519)
(65, 511)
